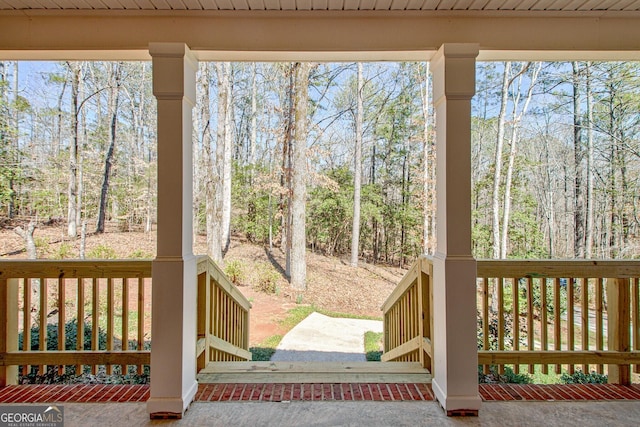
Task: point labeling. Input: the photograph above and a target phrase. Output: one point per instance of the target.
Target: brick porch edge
(316, 392)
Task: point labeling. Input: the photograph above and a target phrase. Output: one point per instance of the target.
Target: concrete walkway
(320, 338)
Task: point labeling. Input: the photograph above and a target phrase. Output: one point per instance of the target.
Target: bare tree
(299, 185)
(114, 97)
(72, 214)
(357, 173)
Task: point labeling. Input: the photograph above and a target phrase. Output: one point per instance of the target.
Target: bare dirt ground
(332, 284)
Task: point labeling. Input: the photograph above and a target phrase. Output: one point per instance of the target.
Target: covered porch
(451, 39)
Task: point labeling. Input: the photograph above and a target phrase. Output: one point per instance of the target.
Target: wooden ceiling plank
(621, 4)
(633, 6)
(462, 4)
(240, 4)
(193, 4)
(382, 4)
(161, 4)
(541, 4)
(415, 4)
(510, 5)
(478, 4)
(446, 4)
(145, 4)
(430, 4)
(257, 5)
(367, 5)
(224, 4)
(288, 4)
(494, 4)
(399, 4)
(336, 5)
(114, 4)
(319, 5)
(272, 4)
(209, 4)
(177, 5)
(526, 4)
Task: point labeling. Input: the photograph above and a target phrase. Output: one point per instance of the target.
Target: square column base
(455, 381)
(160, 408)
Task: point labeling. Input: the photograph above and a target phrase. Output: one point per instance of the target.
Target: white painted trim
(456, 402)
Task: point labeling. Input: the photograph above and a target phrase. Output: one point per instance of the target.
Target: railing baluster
(95, 319)
(599, 323)
(515, 306)
(635, 310)
(110, 317)
(585, 319)
(80, 321)
(544, 325)
(570, 320)
(557, 320)
(61, 320)
(26, 321)
(500, 283)
(140, 343)
(42, 332)
(530, 330)
(485, 319)
(125, 320)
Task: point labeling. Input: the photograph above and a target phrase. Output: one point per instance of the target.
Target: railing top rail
(206, 264)
(74, 268)
(406, 282)
(558, 268)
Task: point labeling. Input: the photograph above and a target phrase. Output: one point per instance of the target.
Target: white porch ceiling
(328, 5)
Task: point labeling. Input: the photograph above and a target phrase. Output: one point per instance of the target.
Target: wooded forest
(334, 158)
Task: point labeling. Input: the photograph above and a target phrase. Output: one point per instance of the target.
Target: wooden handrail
(35, 293)
(223, 317)
(109, 289)
(408, 317)
(558, 315)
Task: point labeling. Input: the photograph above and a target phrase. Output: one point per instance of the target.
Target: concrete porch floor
(304, 413)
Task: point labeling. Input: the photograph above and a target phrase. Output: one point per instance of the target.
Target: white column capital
(453, 78)
(179, 84)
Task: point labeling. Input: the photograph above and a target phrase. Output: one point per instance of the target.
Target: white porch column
(173, 358)
(455, 382)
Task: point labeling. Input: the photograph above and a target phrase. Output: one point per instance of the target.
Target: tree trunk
(285, 177)
(299, 185)
(428, 161)
(588, 252)
(578, 155)
(228, 150)
(30, 243)
(515, 127)
(72, 225)
(357, 174)
(214, 197)
(113, 108)
(502, 117)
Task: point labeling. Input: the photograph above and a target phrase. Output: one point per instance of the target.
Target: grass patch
(266, 348)
(373, 346)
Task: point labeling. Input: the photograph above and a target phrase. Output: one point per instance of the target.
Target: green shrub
(140, 254)
(235, 271)
(509, 377)
(65, 251)
(267, 280)
(102, 252)
(373, 346)
(580, 377)
(51, 376)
